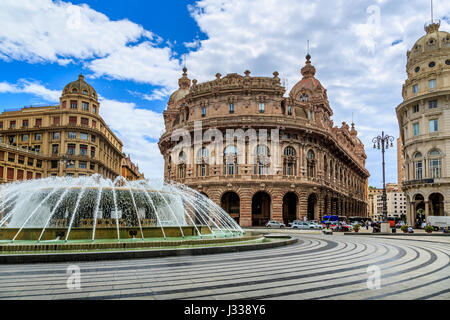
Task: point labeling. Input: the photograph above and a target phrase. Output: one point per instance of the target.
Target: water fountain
(96, 210)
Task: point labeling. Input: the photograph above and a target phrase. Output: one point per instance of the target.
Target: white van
(439, 222)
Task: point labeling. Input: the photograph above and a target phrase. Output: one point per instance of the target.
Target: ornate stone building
(130, 171)
(216, 143)
(68, 139)
(424, 121)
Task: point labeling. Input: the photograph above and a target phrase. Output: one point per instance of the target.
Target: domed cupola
(309, 89)
(80, 87)
(184, 83)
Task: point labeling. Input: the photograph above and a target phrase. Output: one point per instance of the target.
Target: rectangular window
(12, 125)
(94, 109)
(29, 175)
(55, 135)
(85, 122)
(25, 123)
(71, 149)
(30, 162)
(24, 138)
(73, 105)
(416, 108)
(56, 121)
(434, 125)
(10, 173)
(84, 136)
(83, 150)
(433, 104)
(93, 138)
(204, 112)
(92, 166)
(37, 148)
(416, 129)
(55, 149)
(21, 160)
(261, 108)
(54, 164)
(38, 122)
(38, 136)
(72, 135)
(415, 88)
(64, 104)
(289, 110)
(231, 108)
(1, 124)
(19, 174)
(82, 165)
(432, 84)
(39, 164)
(418, 170)
(72, 120)
(92, 152)
(85, 106)
(94, 124)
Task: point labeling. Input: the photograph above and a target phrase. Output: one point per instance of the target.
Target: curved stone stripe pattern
(317, 267)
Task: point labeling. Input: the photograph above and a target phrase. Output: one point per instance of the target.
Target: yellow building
(69, 139)
(424, 121)
(130, 171)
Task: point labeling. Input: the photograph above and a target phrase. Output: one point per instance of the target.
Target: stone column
(276, 212)
(246, 209)
(427, 209)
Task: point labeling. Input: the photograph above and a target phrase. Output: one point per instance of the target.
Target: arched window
(203, 162)
(231, 166)
(289, 161)
(262, 163)
(435, 164)
(182, 165)
(311, 161)
(418, 166)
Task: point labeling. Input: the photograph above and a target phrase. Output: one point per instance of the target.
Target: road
(317, 267)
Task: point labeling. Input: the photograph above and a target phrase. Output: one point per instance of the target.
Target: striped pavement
(317, 267)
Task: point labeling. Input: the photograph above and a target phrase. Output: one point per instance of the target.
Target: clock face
(304, 97)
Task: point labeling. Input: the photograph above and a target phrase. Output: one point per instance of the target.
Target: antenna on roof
(432, 14)
(307, 46)
(184, 58)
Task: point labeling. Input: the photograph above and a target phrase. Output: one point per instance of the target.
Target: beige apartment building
(69, 139)
(395, 199)
(301, 166)
(424, 121)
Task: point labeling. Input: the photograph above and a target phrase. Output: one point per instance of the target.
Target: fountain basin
(33, 234)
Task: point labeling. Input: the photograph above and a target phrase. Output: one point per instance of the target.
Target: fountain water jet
(80, 209)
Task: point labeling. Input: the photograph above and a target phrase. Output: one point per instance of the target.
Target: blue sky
(131, 52)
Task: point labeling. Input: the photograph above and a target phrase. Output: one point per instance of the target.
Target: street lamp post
(66, 161)
(382, 142)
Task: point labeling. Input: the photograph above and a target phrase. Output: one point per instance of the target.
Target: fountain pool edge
(141, 254)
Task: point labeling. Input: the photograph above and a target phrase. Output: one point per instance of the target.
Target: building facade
(70, 139)
(424, 121)
(263, 156)
(395, 199)
(130, 171)
(372, 193)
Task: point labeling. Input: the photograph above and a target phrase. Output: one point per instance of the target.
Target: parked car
(315, 226)
(275, 224)
(300, 225)
(295, 221)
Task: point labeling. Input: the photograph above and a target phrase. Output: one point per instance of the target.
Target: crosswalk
(316, 267)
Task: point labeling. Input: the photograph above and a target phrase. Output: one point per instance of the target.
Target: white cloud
(41, 31)
(30, 87)
(139, 130)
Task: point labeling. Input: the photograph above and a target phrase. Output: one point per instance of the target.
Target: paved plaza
(316, 267)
